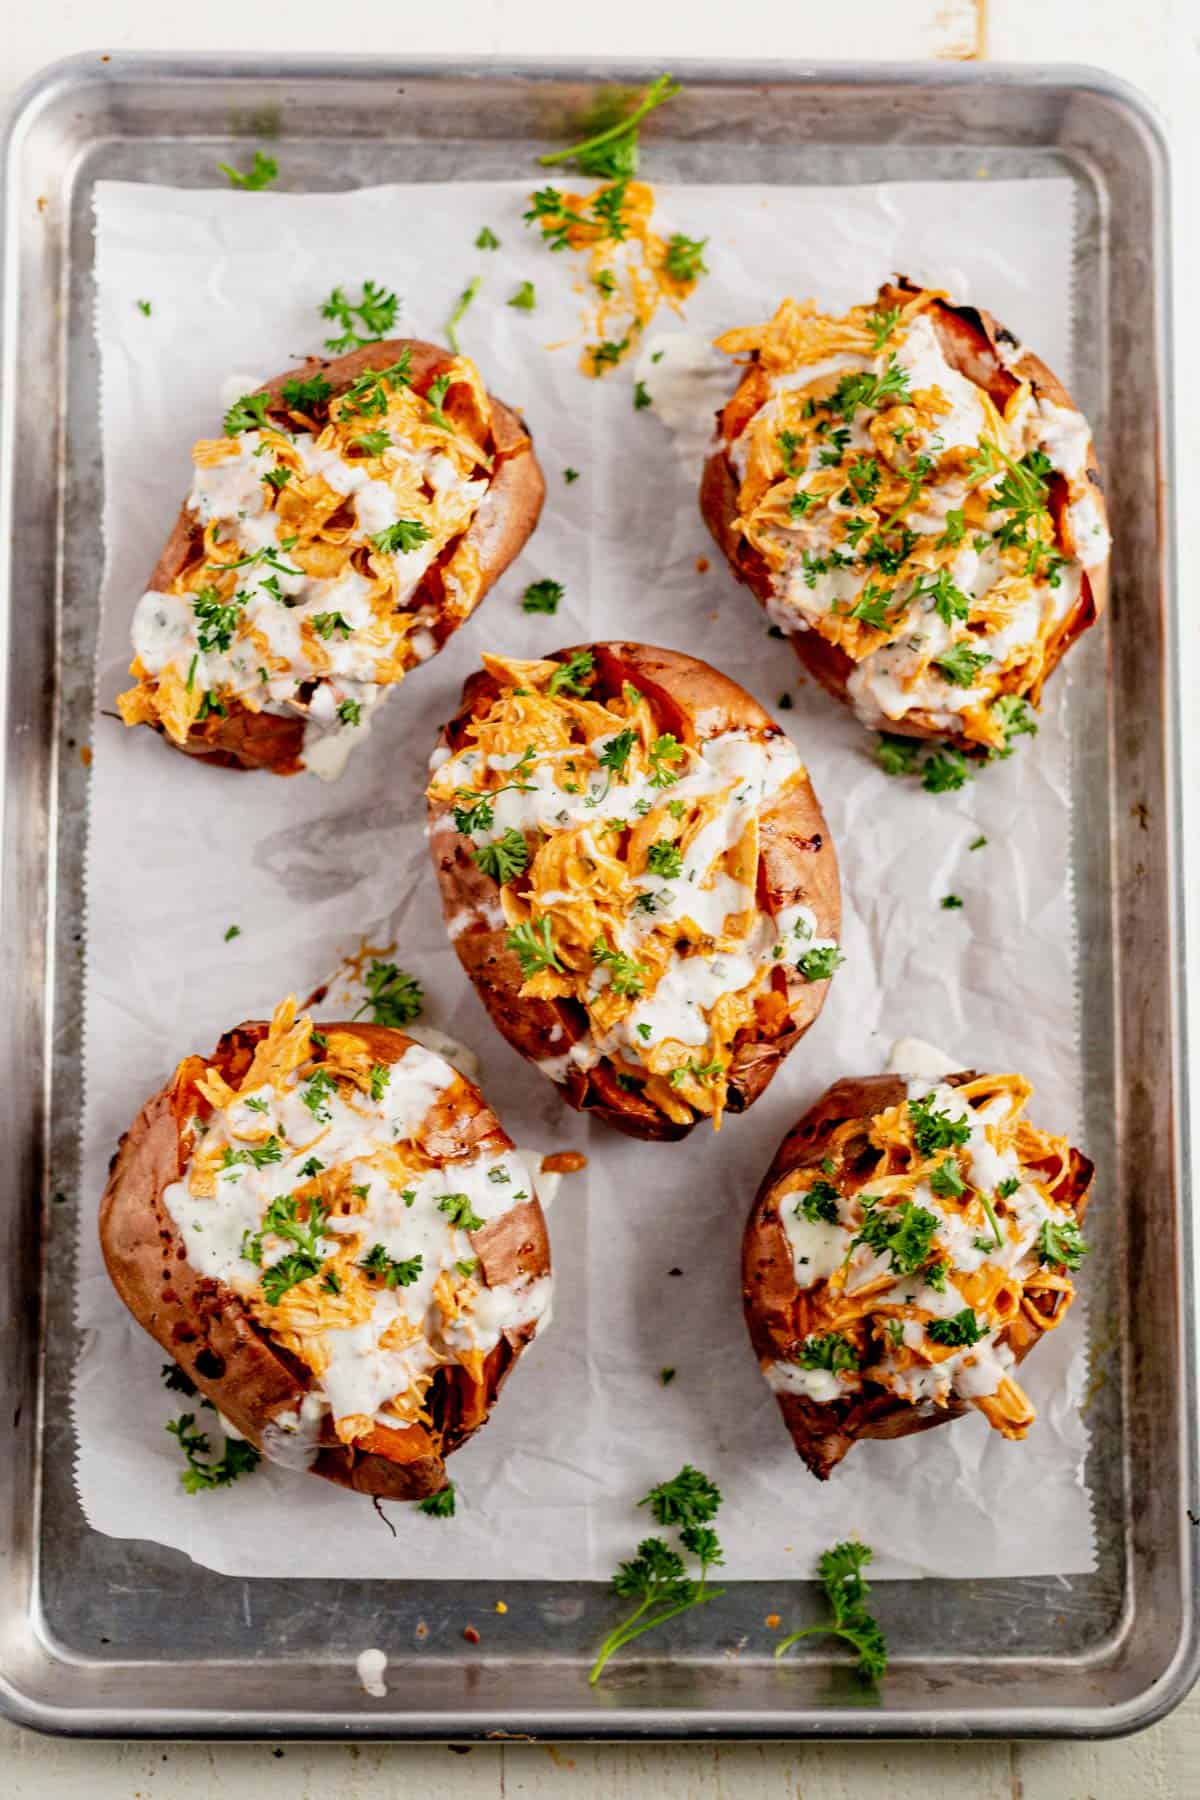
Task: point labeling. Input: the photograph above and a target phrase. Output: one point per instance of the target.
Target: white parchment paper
(646, 1242)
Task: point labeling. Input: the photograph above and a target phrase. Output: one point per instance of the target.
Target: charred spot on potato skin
(210, 1365)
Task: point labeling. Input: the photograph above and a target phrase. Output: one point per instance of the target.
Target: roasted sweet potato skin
(978, 346)
(823, 1432)
(799, 864)
(205, 1327)
(503, 525)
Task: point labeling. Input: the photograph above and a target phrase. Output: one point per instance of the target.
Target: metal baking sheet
(99, 1635)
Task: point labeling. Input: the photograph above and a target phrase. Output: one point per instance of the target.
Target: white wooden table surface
(1156, 45)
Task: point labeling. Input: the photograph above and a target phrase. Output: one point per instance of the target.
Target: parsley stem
(815, 1631)
(665, 88)
(630, 1629)
(992, 1220)
(464, 300)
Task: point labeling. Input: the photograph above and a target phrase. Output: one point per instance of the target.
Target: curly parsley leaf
(847, 1592)
(439, 1505)
(505, 857)
(363, 321)
(203, 1471)
(394, 997)
(1059, 1241)
(261, 173)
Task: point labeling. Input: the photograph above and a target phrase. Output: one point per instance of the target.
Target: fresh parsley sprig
(657, 1577)
(261, 173)
(363, 321)
(203, 1470)
(394, 997)
(613, 152)
(841, 1574)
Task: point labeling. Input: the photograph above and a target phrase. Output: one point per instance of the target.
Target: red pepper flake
(702, 565)
(470, 1633)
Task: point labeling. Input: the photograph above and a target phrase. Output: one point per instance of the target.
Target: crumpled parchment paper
(645, 1242)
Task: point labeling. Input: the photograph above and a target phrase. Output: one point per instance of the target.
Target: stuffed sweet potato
(352, 516)
(332, 1235)
(915, 501)
(910, 1244)
(637, 877)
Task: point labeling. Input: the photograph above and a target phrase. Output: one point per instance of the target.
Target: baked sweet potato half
(909, 1246)
(333, 1236)
(352, 516)
(916, 502)
(637, 877)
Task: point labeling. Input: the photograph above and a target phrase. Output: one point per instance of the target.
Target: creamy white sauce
(815, 1384)
(345, 691)
(371, 1666)
(405, 1218)
(687, 381)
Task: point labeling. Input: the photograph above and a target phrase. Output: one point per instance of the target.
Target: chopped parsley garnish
(963, 1329)
(903, 1232)
(261, 173)
(613, 152)
(833, 1352)
(455, 319)
(505, 857)
(977, 843)
(254, 558)
(403, 536)
(248, 414)
(306, 396)
(144, 308)
(278, 477)
(487, 239)
(380, 1076)
(626, 976)
(819, 1204)
(210, 705)
(697, 1072)
(665, 858)
(657, 1578)
(439, 1505)
(933, 1130)
(896, 755)
(367, 394)
(1008, 1187)
(573, 677)
(237, 1458)
(607, 354)
(881, 325)
(872, 607)
(316, 1094)
(282, 1219)
(664, 751)
(542, 596)
(946, 1181)
(394, 997)
(231, 932)
(819, 963)
(533, 947)
(960, 664)
(862, 482)
(350, 712)
(641, 397)
(457, 1208)
(313, 1167)
(615, 753)
(867, 390)
(387, 1269)
(951, 903)
(949, 602)
(1015, 719)
(685, 257)
(570, 475)
(363, 321)
(326, 623)
(840, 1571)
(173, 1377)
(1059, 1241)
(955, 529)
(525, 298)
(435, 395)
(944, 772)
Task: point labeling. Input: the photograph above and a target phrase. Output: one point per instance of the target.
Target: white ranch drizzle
(406, 1222)
(819, 1248)
(752, 771)
(900, 677)
(233, 492)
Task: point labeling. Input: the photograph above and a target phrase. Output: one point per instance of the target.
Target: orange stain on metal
(960, 30)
